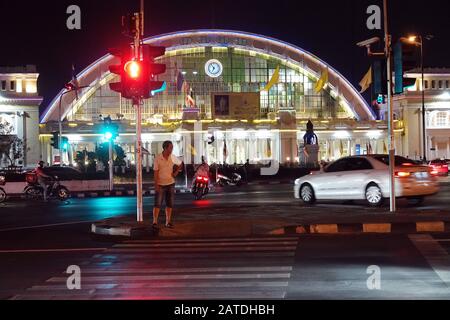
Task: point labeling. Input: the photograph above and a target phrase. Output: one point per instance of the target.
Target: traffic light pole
(391, 112)
(139, 191)
(111, 163)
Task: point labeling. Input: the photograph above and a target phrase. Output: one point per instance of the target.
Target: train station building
(248, 97)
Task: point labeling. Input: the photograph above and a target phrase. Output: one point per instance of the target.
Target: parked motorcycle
(234, 180)
(2, 191)
(34, 191)
(200, 187)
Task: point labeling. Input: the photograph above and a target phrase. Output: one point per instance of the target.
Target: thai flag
(180, 81)
(73, 85)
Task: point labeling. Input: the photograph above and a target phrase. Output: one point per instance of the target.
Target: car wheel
(415, 201)
(307, 194)
(374, 196)
(63, 193)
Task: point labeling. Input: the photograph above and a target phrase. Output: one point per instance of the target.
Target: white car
(366, 178)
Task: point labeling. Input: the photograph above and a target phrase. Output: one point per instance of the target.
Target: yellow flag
(320, 84)
(366, 82)
(274, 80)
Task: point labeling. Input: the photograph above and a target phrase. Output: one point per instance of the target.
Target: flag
(366, 82)
(180, 81)
(320, 84)
(341, 148)
(274, 80)
(269, 149)
(385, 149)
(192, 150)
(225, 151)
(369, 150)
(329, 150)
(73, 85)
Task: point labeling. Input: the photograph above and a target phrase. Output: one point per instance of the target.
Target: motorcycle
(234, 180)
(55, 190)
(2, 191)
(200, 187)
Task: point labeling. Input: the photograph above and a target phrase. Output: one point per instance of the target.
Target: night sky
(34, 32)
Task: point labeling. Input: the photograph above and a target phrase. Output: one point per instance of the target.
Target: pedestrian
(166, 168)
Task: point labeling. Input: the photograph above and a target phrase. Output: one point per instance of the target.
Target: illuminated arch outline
(97, 73)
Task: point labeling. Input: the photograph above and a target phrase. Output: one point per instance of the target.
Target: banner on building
(238, 106)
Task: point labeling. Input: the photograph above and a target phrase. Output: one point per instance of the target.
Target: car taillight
(199, 178)
(205, 179)
(434, 172)
(402, 174)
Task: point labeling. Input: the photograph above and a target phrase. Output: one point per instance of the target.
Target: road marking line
(179, 277)
(46, 225)
(436, 256)
(53, 250)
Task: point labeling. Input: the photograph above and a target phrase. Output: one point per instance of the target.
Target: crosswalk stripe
(149, 296)
(167, 284)
(188, 270)
(196, 255)
(194, 269)
(145, 245)
(179, 277)
(273, 238)
(209, 249)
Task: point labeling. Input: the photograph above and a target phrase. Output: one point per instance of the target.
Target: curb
(123, 230)
(119, 193)
(374, 228)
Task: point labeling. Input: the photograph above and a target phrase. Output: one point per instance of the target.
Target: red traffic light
(133, 69)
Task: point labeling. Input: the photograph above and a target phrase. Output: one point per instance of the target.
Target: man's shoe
(155, 226)
(169, 225)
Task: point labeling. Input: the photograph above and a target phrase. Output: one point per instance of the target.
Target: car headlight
(297, 182)
(2, 180)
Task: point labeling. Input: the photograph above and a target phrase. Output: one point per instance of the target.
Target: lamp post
(418, 41)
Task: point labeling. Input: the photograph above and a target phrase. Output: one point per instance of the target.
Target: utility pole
(387, 40)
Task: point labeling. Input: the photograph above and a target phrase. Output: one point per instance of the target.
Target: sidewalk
(278, 220)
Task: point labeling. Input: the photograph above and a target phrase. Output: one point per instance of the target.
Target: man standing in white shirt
(165, 175)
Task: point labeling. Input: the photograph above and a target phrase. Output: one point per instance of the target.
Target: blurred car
(366, 178)
(63, 173)
(439, 167)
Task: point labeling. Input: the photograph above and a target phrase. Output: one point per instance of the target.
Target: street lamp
(418, 41)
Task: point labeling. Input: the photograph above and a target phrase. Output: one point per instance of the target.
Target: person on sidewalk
(166, 168)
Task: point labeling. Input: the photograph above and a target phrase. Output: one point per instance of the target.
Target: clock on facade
(213, 68)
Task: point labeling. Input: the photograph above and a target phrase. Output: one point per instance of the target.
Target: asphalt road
(38, 241)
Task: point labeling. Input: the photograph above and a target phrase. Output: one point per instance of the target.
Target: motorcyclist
(202, 170)
(42, 178)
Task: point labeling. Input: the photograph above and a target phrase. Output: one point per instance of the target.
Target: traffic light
(379, 77)
(110, 130)
(405, 59)
(150, 53)
(138, 76)
(55, 140)
(381, 99)
(64, 143)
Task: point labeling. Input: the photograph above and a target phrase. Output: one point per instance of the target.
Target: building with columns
(408, 108)
(19, 110)
(225, 73)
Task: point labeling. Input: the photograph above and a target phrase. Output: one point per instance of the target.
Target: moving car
(439, 167)
(366, 178)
